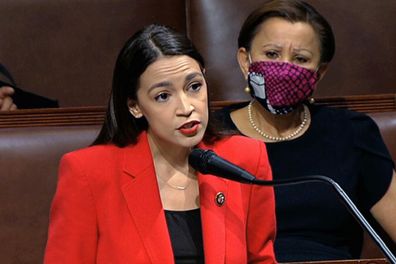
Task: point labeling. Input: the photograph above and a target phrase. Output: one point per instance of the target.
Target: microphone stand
(344, 197)
(207, 162)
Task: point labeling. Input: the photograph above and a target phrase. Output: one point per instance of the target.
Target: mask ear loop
(317, 70)
(311, 99)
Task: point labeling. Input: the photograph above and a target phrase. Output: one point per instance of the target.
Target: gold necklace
(176, 187)
(278, 139)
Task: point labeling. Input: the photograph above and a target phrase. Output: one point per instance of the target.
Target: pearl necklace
(278, 139)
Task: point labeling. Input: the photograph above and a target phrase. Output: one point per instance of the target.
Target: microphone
(208, 162)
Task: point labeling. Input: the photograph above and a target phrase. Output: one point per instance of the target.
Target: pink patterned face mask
(281, 86)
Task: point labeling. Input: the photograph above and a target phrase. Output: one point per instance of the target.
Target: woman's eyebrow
(188, 78)
(191, 76)
(271, 45)
(302, 49)
(160, 84)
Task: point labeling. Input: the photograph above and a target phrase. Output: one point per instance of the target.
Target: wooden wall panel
(94, 115)
(365, 60)
(66, 49)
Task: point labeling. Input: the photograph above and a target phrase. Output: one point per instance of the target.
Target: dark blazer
(23, 99)
(107, 208)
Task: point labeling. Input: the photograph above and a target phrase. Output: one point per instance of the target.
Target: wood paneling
(66, 49)
(95, 115)
(365, 59)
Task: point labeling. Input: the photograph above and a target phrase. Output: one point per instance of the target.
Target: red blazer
(107, 208)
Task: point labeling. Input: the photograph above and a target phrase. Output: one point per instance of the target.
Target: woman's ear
(243, 61)
(134, 109)
(322, 70)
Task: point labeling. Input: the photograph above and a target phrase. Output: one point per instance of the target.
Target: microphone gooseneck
(208, 162)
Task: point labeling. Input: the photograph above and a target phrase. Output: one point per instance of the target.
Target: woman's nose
(286, 59)
(185, 106)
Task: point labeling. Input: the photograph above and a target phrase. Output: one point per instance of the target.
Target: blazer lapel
(141, 193)
(213, 217)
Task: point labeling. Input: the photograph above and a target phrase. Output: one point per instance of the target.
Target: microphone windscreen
(197, 159)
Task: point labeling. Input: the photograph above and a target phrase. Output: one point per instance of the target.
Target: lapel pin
(220, 199)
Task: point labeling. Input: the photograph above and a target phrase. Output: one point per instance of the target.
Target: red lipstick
(190, 128)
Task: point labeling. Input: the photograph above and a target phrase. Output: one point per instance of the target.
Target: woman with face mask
(132, 197)
(285, 47)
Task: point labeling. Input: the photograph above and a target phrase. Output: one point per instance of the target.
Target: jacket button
(220, 199)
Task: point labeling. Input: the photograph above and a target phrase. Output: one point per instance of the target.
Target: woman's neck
(277, 124)
(177, 181)
(256, 122)
(168, 158)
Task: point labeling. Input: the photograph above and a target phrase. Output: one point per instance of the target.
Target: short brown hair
(293, 11)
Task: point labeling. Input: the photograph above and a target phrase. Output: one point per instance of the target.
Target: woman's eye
(162, 97)
(195, 87)
(301, 60)
(272, 54)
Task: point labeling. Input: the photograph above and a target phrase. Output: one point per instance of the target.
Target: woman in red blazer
(133, 198)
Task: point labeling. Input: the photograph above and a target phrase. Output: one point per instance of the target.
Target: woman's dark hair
(141, 50)
(293, 11)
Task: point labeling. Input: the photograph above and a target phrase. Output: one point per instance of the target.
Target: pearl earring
(247, 89)
(311, 100)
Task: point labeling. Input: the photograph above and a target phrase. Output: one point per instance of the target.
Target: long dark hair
(293, 11)
(141, 50)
